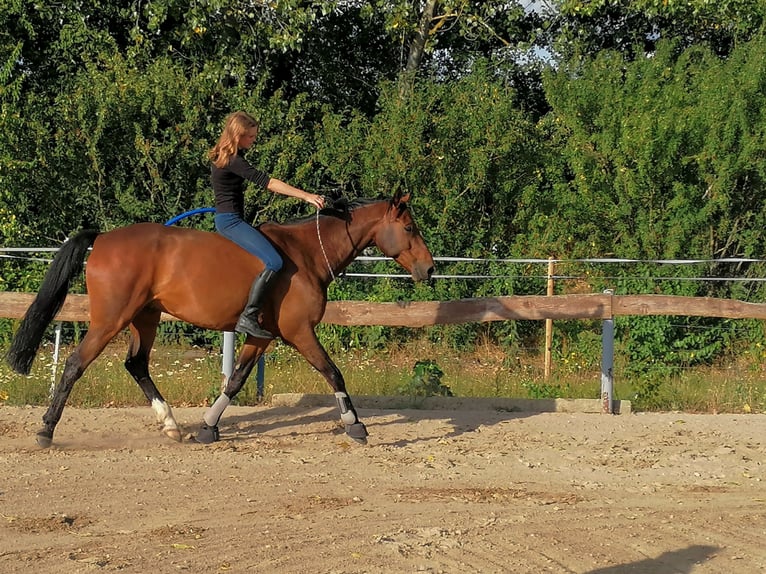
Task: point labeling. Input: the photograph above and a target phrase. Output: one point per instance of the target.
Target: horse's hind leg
(92, 345)
(143, 330)
(244, 365)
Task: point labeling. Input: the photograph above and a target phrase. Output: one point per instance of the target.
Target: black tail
(67, 263)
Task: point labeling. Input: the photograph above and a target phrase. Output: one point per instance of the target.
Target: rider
(230, 172)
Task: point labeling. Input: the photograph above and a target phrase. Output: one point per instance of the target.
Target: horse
(135, 273)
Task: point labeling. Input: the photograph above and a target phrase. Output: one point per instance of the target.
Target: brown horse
(137, 272)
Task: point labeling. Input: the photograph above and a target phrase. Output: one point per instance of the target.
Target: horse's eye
(408, 228)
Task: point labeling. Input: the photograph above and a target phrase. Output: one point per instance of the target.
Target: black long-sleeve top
(229, 184)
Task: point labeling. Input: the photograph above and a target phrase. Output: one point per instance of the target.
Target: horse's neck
(347, 239)
(331, 239)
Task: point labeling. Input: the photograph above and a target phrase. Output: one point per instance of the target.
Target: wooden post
(549, 323)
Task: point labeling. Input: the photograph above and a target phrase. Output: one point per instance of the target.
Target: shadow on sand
(259, 421)
(676, 562)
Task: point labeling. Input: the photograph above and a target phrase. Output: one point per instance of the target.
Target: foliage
(643, 181)
(599, 128)
(426, 381)
(463, 150)
(633, 26)
(544, 390)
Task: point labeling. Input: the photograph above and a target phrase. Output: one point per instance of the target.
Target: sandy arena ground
(434, 491)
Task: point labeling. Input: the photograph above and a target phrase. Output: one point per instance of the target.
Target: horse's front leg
(247, 359)
(315, 354)
(354, 427)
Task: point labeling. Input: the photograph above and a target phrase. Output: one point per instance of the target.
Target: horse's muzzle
(422, 273)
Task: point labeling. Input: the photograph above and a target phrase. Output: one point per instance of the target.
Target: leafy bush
(425, 382)
(544, 390)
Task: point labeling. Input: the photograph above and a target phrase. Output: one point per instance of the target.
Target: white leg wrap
(164, 414)
(347, 414)
(213, 414)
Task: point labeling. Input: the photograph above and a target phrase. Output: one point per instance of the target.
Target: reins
(326, 260)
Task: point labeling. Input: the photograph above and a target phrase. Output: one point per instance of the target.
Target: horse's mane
(339, 208)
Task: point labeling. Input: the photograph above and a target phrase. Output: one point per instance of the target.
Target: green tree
(648, 174)
(672, 167)
(587, 26)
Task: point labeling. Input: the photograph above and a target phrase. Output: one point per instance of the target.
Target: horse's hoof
(358, 432)
(44, 440)
(174, 433)
(207, 435)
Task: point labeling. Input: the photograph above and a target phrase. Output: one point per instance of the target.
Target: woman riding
(230, 172)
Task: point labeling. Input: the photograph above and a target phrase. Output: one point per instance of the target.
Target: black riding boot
(248, 321)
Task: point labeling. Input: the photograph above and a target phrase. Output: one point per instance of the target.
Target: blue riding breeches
(233, 227)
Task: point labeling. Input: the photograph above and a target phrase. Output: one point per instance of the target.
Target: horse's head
(397, 236)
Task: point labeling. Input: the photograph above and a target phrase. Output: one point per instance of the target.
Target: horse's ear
(400, 198)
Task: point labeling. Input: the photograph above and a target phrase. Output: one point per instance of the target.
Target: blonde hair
(236, 125)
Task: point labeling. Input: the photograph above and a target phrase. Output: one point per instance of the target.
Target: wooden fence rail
(602, 307)
(13, 305)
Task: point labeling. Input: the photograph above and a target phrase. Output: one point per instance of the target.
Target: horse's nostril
(430, 271)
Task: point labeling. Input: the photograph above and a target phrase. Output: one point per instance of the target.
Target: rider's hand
(316, 200)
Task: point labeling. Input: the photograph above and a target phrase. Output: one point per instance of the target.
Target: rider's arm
(279, 186)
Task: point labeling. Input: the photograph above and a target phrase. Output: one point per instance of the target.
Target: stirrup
(249, 327)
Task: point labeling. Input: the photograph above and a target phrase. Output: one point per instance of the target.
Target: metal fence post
(227, 366)
(56, 348)
(607, 363)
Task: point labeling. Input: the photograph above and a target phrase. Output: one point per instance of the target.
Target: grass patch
(192, 377)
